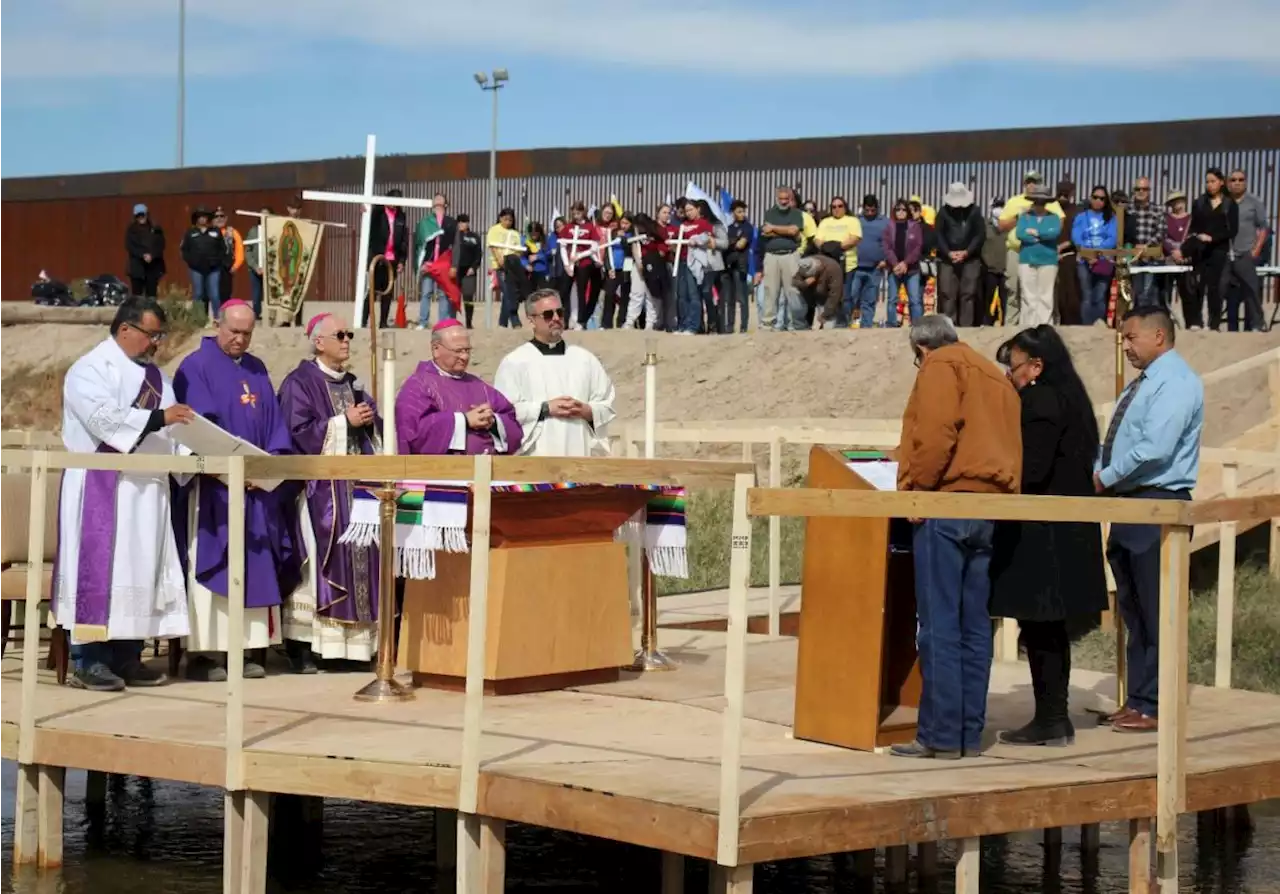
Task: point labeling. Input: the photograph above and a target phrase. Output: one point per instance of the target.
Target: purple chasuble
(346, 575)
(239, 398)
(98, 522)
(425, 408)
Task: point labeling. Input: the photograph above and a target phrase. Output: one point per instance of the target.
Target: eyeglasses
(918, 361)
(837, 204)
(155, 337)
(1098, 198)
(554, 313)
(465, 352)
(342, 335)
(1236, 179)
(1142, 189)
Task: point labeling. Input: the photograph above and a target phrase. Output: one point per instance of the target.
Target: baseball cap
(139, 209)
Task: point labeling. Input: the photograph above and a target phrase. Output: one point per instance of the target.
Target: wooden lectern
(857, 677)
(559, 611)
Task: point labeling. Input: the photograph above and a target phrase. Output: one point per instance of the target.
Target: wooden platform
(636, 760)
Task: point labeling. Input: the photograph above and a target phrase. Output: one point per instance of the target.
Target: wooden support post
(51, 786)
(491, 869)
(927, 861)
(672, 873)
(470, 866)
(255, 829)
(1171, 758)
(1090, 838)
(446, 835)
(1053, 838)
(233, 809)
(968, 866)
(1273, 383)
(895, 865)
(235, 624)
(26, 832)
(95, 789)
(1226, 586)
(26, 815)
(732, 879)
(1139, 856)
(864, 864)
(735, 676)
(775, 538)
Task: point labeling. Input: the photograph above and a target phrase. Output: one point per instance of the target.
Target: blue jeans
(915, 297)
(864, 292)
(953, 585)
(1095, 290)
(255, 281)
(1145, 292)
(509, 313)
(688, 301)
(204, 290)
(428, 290)
(115, 654)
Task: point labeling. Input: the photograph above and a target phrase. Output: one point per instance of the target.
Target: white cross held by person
(608, 255)
(679, 242)
(582, 247)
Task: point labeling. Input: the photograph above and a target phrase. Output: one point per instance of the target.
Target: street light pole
(182, 76)
(500, 78)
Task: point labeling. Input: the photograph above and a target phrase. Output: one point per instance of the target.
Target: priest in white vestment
(562, 394)
(117, 573)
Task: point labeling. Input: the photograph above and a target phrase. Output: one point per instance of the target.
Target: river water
(166, 837)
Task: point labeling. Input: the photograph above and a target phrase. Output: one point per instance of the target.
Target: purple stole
(98, 530)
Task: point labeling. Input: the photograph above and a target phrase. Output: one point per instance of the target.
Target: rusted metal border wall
(74, 226)
(535, 198)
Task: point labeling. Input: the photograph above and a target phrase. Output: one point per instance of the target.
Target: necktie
(1114, 427)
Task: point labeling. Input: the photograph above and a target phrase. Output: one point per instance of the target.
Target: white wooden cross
(577, 243)
(367, 199)
(679, 242)
(617, 240)
(506, 248)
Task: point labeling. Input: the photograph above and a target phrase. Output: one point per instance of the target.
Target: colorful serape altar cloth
(432, 515)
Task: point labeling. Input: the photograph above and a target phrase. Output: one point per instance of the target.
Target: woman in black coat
(1049, 575)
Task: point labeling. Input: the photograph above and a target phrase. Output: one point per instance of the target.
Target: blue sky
(90, 85)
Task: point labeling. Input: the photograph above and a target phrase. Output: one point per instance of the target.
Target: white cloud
(774, 42)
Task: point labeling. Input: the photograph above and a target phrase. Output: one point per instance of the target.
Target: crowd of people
(695, 267)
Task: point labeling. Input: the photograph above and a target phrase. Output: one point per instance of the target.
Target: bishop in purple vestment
(230, 387)
(328, 413)
(442, 408)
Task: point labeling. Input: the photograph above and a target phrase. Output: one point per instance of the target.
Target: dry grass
(31, 396)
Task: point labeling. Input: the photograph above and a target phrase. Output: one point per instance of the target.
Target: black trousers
(735, 292)
(383, 280)
(617, 294)
(958, 291)
(992, 283)
(657, 279)
(147, 284)
(1049, 657)
(712, 312)
(225, 282)
(1242, 286)
(587, 278)
(1211, 274)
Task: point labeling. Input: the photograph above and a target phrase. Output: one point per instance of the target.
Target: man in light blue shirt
(1151, 451)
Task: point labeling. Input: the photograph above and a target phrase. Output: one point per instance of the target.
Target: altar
(559, 611)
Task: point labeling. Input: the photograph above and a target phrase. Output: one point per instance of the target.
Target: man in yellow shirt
(845, 228)
(1007, 223)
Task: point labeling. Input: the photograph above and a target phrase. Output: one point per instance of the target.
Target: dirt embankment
(758, 376)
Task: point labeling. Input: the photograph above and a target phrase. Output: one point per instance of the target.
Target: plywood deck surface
(637, 760)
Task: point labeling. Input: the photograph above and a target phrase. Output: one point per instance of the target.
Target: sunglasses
(837, 204)
(1142, 189)
(549, 315)
(1236, 179)
(343, 335)
(1098, 198)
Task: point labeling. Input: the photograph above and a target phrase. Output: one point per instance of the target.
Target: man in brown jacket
(961, 432)
(821, 282)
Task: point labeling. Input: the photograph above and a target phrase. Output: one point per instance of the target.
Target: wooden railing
(1176, 521)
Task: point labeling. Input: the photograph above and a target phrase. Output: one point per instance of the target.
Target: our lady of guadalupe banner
(432, 515)
(292, 248)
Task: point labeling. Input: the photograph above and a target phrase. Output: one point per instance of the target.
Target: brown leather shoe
(1136, 723)
(1122, 714)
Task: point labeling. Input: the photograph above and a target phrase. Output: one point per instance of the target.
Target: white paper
(204, 438)
(880, 474)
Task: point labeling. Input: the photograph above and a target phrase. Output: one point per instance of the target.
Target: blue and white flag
(693, 192)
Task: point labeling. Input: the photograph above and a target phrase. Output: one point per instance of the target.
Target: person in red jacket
(579, 241)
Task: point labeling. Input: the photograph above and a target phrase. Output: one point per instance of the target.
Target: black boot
(1049, 656)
